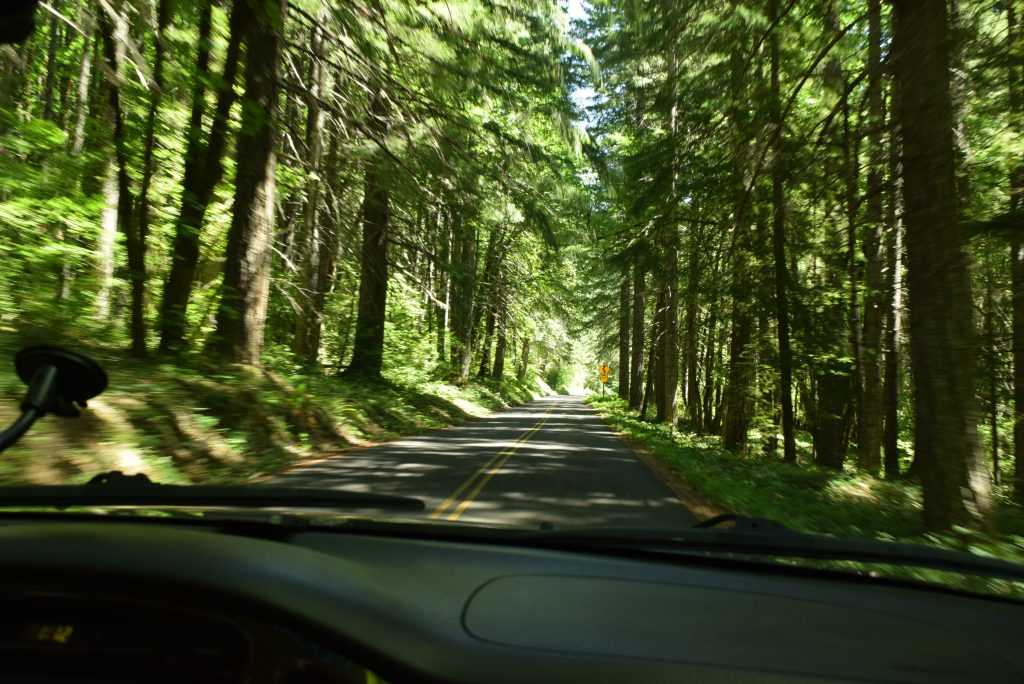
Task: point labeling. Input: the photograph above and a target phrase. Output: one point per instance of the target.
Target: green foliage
(803, 497)
(196, 421)
(470, 117)
(818, 500)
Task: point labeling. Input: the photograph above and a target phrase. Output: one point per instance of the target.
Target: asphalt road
(553, 460)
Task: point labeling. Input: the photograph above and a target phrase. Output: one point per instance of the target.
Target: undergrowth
(811, 499)
(190, 420)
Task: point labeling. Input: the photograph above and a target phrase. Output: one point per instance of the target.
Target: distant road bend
(550, 461)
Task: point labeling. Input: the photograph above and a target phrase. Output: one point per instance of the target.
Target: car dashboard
(120, 601)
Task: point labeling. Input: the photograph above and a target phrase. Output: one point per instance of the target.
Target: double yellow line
(478, 480)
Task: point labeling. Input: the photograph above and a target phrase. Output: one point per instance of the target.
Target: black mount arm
(57, 379)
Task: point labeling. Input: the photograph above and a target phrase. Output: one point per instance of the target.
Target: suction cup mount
(57, 380)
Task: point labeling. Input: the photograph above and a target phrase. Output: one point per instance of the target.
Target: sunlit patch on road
(552, 462)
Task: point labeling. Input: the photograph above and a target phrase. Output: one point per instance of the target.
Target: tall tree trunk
(851, 173)
(114, 31)
(524, 361)
(959, 92)
(652, 359)
(107, 243)
(636, 361)
(322, 264)
(368, 349)
(828, 434)
(991, 364)
(242, 313)
(485, 349)
(668, 406)
(736, 404)
(444, 268)
(51, 64)
(779, 253)
(624, 302)
(736, 400)
(893, 310)
(657, 368)
(487, 298)
(82, 92)
(13, 86)
(482, 309)
(710, 369)
(502, 344)
(163, 19)
(869, 423)
(954, 479)
(203, 170)
(463, 296)
(1015, 78)
(693, 404)
(306, 338)
(670, 338)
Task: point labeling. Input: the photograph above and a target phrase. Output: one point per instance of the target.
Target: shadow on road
(552, 461)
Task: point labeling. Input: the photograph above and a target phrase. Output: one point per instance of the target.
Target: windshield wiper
(116, 489)
(761, 537)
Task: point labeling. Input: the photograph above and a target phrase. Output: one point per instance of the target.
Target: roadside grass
(807, 498)
(191, 420)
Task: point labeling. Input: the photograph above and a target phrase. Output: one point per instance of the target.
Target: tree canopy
(793, 225)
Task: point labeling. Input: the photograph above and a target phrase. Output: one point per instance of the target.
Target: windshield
(656, 261)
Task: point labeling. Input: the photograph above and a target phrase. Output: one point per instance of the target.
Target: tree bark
(502, 344)
(106, 244)
(51, 64)
(736, 403)
(693, 404)
(242, 313)
(736, 400)
(636, 362)
(831, 402)
(656, 370)
(114, 31)
(163, 19)
(779, 253)
(485, 349)
(443, 309)
(670, 337)
(306, 338)
(322, 266)
(1015, 78)
(652, 359)
(463, 297)
(524, 361)
(368, 350)
(851, 173)
(488, 298)
(624, 301)
(203, 171)
(954, 479)
(710, 424)
(894, 313)
(82, 93)
(668, 406)
(991, 364)
(869, 423)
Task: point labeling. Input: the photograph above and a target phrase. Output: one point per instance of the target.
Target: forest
(795, 227)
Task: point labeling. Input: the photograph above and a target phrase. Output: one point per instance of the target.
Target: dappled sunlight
(551, 462)
(861, 489)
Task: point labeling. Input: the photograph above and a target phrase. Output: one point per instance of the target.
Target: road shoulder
(689, 496)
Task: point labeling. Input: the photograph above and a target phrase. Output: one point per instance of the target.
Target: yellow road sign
(604, 378)
(604, 369)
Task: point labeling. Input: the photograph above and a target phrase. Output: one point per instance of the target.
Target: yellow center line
(492, 466)
(487, 478)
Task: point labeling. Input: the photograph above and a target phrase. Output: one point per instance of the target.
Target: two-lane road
(553, 460)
